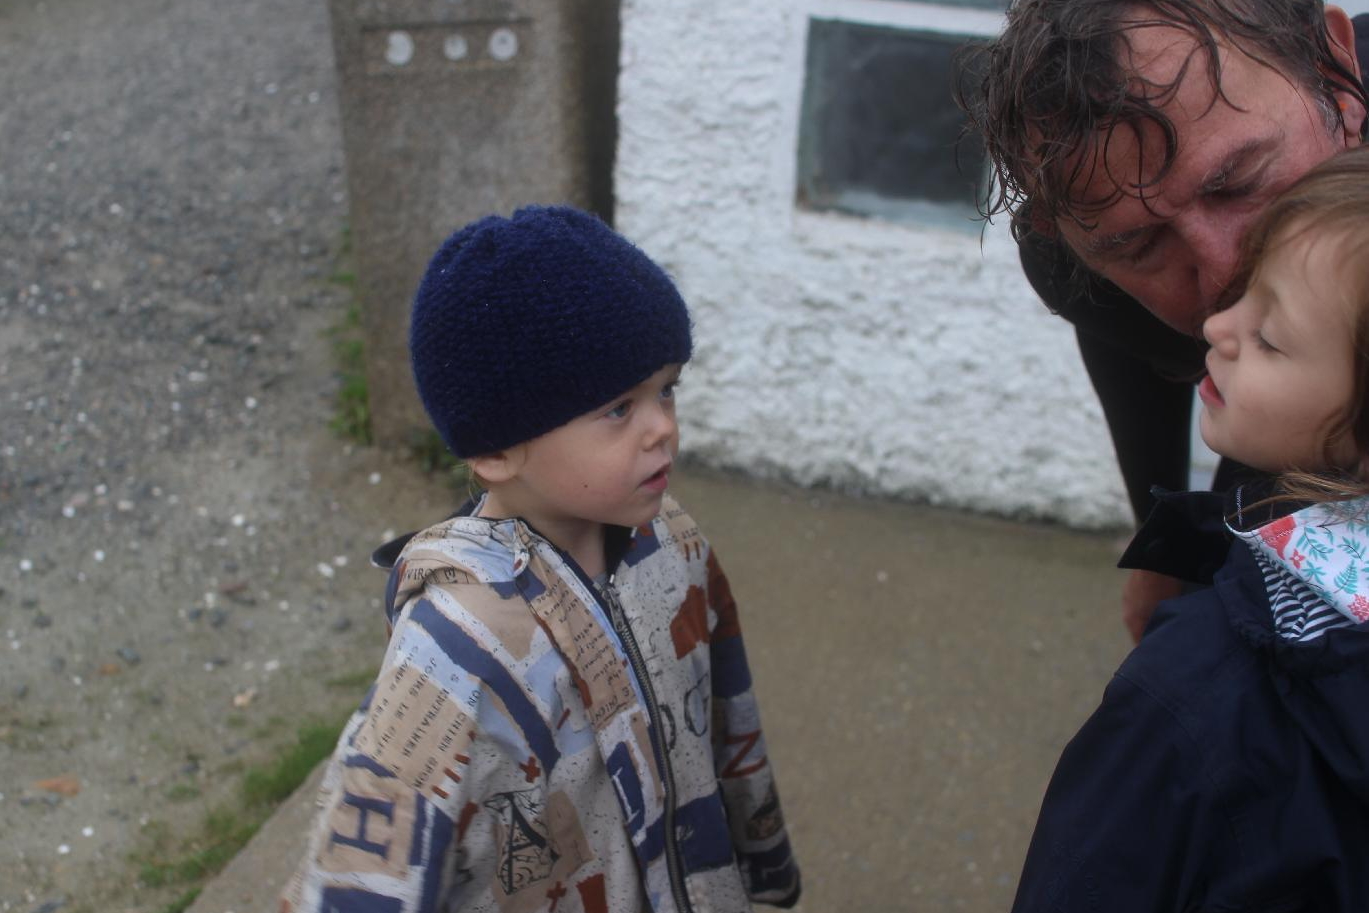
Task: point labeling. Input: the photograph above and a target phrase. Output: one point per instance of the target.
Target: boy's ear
(499, 466)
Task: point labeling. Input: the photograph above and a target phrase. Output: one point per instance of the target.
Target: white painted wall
(905, 362)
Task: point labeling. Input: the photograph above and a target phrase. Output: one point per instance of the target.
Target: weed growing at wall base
(166, 860)
(352, 403)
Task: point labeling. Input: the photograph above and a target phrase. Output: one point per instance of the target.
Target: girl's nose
(1220, 331)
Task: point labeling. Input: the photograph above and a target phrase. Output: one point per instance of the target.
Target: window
(880, 134)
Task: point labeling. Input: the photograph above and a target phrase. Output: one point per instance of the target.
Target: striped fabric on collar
(1315, 563)
(1300, 614)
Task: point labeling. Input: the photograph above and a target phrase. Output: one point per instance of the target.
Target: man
(1132, 143)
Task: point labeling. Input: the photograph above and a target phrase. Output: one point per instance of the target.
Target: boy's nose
(662, 427)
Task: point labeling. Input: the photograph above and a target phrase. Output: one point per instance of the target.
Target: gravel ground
(182, 540)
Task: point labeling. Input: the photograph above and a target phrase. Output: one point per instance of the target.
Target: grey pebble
(217, 617)
(42, 621)
(51, 906)
(129, 655)
(342, 624)
(58, 664)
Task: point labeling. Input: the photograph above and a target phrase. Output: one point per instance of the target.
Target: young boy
(564, 717)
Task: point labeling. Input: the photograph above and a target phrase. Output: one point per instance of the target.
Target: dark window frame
(833, 175)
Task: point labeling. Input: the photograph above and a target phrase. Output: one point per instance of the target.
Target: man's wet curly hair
(1057, 80)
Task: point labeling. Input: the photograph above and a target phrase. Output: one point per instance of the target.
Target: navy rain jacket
(1226, 769)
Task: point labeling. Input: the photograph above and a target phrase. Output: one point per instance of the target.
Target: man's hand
(1143, 591)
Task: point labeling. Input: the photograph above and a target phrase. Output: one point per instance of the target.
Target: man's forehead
(1156, 51)
(1127, 159)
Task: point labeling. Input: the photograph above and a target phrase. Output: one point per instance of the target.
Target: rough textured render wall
(894, 360)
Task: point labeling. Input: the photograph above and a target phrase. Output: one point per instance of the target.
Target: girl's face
(1281, 368)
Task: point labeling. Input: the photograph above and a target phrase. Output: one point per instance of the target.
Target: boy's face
(1281, 367)
(609, 466)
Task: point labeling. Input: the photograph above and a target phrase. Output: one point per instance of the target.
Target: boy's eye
(1263, 343)
(668, 391)
(620, 410)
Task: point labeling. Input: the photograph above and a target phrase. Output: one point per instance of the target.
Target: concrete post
(453, 109)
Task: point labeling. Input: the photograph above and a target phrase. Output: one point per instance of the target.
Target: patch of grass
(182, 903)
(25, 733)
(352, 404)
(354, 681)
(163, 862)
(269, 727)
(180, 792)
(274, 784)
(433, 457)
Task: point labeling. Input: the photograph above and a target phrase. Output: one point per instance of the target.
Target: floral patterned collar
(1326, 546)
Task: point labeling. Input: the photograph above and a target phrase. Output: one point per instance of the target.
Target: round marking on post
(455, 47)
(399, 48)
(503, 44)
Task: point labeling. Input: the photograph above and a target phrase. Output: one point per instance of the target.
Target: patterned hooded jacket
(537, 741)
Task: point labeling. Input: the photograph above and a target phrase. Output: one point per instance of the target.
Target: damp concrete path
(919, 672)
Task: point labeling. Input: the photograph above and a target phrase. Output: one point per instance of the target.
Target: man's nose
(1214, 245)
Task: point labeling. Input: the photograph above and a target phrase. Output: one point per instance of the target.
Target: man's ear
(499, 466)
(1340, 34)
(1033, 222)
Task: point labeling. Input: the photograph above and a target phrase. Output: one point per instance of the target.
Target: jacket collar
(1188, 533)
(1325, 546)
(1184, 536)
(617, 540)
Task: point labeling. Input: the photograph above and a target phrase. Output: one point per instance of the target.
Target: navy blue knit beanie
(522, 324)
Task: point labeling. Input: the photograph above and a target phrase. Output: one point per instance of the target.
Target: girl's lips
(1208, 392)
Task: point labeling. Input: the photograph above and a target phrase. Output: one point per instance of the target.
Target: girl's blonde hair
(1331, 199)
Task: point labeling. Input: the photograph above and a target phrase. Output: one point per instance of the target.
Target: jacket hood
(464, 544)
(1323, 684)
(461, 549)
(1325, 546)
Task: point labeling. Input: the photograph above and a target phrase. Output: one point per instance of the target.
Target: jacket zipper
(674, 866)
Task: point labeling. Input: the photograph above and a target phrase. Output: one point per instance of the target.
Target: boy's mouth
(1208, 392)
(658, 480)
